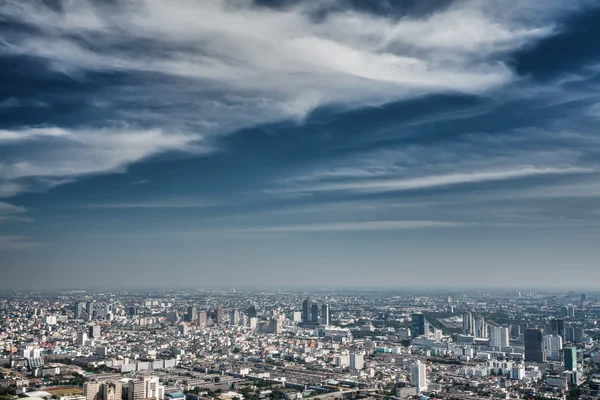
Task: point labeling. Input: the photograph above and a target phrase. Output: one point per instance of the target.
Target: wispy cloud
(15, 243)
(353, 226)
(423, 182)
(246, 65)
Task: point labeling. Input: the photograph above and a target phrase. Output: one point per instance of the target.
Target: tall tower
(418, 376)
(499, 336)
(418, 325)
(535, 350)
(234, 317)
(571, 358)
(219, 315)
(306, 317)
(91, 390)
(314, 313)
(468, 323)
(325, 317)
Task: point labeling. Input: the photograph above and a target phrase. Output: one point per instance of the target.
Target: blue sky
(175, 143)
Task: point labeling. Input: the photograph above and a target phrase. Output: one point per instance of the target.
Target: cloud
(158, 204)
(353, 226)
(424, 182)
(244, 65)
(64, 154)
(15, 243)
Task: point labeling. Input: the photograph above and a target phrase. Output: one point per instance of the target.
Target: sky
(314, 143)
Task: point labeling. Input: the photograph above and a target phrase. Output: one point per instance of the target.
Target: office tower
(112, 390)
(252, 312)
(253, 322)
(325, 318)
(515, 330)
(314, 313)
(79, 310)
(571, 358)
(578, 335)
(418, 376)
(132, 311)
(535, 350)
(563, 312)
(418, 325)
(481, 330)
(582, 305)
(306, 310)
(91, 390)
(192, 314)
(357, 361)
(219, 315)
(136, 390)
(275, 326)
(556, 327)
(89, 309)
(553, 345)
(202, 318)
(499, 336)
(94, 331)
(81, 338)
(234, 317)
(569, 334)
(468, 323)
(297, 316)
(571, 311)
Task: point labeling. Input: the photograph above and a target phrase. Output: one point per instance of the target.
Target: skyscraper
(91, 390)
(499, 336)
(79, 310)
(418, 325)
(94, 331)
(571, 358)
(202, 318)
(468, 323)
(234, 317)
(252, 312)
(325, 317)
(553, 345)
(357, 361)
(314, 313)
(112, 390)
(481, 330)
(418, 376)
(306, 310)
(135, 390)
(535, 350)
(219, 315)
(192, 314)
(556, 327)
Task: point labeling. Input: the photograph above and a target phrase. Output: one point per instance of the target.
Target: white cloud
(265, 64)
(423, 182)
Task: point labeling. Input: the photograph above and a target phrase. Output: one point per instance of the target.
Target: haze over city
(299, 143)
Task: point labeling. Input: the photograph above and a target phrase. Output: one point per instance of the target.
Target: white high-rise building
(554, 345)
(357, 361)
(418, 376)
(499, 336)
(81, 338)
(153, 389)
(342, 360)
(234, 317)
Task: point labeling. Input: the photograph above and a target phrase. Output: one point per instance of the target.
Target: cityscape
(330, 344)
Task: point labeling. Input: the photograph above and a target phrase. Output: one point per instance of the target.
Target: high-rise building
(571, 358)
(219, 315)
(79, 310)
(468, 323)
(563, 312)
(571, 311)
(306, 317)
(91, 390)
(153, 389)
(556, 327)
(418, 376)
(234, 317)
(183, 329)
(89, 309)
(94, 331)
(553, 345)
(325, 317)
(481, 330)
(192, 314)
(202, 318)
(535, 351)
(81, 338)
(132, 311)
(314, 313)
(357, 361)
(252, 312)
(582, 303)
(135, 390)
(499, 336)
(418, 325)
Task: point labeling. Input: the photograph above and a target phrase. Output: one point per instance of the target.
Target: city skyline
(231, 143)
